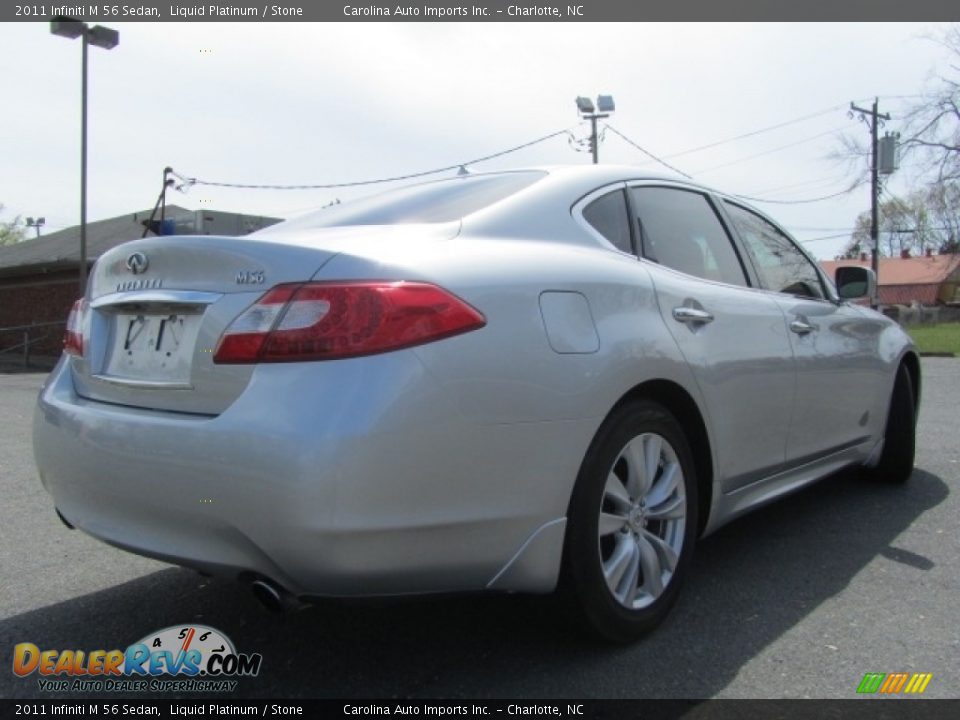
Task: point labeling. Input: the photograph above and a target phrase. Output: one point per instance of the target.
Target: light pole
(101, 37)
(36, 224)
(603, 109)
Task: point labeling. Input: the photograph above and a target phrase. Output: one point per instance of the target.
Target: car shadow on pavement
(751, 582)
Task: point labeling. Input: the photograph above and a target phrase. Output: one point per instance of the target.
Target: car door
(839, 375)
(732, 336)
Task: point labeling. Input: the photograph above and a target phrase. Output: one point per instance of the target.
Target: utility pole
(874, 119)
(594, 145)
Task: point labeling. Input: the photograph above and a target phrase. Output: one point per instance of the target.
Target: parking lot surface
(800, 599)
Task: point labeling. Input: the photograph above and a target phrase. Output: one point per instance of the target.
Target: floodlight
(584, 104)
(104, 37)
(65, 27)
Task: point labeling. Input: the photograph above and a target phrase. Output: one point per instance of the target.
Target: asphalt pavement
(797, 600)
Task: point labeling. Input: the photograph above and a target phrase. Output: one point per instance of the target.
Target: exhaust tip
(272, 597)
(63, 519)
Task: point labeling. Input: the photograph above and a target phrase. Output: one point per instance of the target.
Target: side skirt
(728, 506)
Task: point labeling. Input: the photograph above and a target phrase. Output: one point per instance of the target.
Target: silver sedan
(515, 381)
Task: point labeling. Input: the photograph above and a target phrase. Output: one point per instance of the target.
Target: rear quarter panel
(507, 376)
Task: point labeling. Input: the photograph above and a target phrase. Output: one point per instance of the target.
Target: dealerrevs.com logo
(181, 658)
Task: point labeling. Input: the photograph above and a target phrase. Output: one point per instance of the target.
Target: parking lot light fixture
(36, 224)
(604, 107)
(101, 37)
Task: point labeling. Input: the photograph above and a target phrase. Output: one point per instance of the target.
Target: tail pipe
(273, 597)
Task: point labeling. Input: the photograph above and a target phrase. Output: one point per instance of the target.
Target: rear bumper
(347, 478)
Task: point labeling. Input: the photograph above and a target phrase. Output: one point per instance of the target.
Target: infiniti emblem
(137, 263)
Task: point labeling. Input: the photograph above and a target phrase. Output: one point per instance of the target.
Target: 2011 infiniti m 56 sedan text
(510, 381)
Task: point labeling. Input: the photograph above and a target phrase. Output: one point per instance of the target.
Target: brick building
(38, 277)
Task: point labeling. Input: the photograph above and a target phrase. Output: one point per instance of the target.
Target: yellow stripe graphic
(914, 682)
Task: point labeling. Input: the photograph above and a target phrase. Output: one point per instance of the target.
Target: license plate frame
(152, 348)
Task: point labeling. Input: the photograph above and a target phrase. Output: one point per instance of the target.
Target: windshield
(435, 202)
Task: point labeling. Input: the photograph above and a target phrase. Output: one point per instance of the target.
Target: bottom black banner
(865, 709)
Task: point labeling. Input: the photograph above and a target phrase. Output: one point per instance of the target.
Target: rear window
(434, 202)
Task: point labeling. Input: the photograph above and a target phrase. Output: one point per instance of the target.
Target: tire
(629, 540)
(899, 440)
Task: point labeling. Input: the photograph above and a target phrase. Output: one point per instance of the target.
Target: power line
(756, 132)
(773, 150)
(646, 152)
(849, 233)
(825, 237)
(791, 186)
(330, 186)
(796, 202)
(800, 228)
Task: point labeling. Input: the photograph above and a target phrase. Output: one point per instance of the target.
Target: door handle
(801, 327)
(691, 315)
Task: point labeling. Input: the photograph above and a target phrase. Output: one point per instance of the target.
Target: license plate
(153, 347)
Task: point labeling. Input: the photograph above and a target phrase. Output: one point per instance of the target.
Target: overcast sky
(324, 103)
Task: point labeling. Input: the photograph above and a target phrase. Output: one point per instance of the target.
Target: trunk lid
(157, 308)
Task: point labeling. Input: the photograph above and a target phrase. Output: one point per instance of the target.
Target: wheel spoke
(611, 523)
(637, 483)
(651, 455)
(665, 485)
(666, 554)
(650, 563)
(616, 565)
(627, 588)
(616, 492)
(669, 510)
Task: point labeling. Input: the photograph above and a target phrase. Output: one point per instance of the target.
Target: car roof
(602, 174)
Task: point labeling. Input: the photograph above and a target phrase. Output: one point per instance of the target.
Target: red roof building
(928, 279)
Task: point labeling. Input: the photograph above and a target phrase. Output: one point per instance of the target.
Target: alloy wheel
(642, 521)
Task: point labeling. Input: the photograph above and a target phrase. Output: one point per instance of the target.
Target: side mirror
(854, 282)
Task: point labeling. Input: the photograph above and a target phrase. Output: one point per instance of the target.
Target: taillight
(73, 336)
(330, 320)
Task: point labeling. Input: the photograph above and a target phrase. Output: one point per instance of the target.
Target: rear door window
(681, 230)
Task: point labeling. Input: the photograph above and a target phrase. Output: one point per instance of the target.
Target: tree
(943, 204)
(927, 219)
(931, 130)
(903, 224)
(11, 231)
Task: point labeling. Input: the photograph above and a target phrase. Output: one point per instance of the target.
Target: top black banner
(485, 11)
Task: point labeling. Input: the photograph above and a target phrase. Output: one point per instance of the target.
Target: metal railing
(29, 337)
